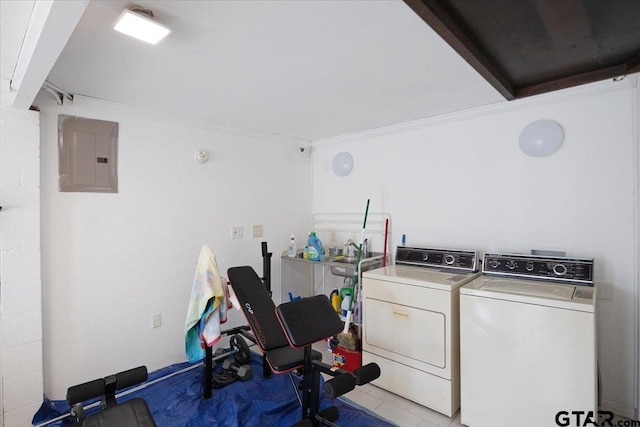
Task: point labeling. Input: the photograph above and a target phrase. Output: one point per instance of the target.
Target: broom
(347, 339)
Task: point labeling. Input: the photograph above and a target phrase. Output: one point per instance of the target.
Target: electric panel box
(88, 155)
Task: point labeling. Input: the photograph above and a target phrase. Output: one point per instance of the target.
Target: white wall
(637, 232)
(110, 261)
(20, 309)
(460, 181)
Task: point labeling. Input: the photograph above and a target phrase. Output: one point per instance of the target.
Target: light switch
(157, 320)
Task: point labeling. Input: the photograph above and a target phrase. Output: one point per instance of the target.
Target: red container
(348, 360)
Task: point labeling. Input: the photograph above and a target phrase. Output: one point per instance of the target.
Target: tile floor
(401, 411)
(406, 413)
(392, 407)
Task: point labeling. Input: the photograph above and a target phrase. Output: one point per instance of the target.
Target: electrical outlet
(257, 230)
(157, 320)
(236, 232)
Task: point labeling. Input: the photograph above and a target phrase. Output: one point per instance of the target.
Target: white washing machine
(410, 324)
(528, 342)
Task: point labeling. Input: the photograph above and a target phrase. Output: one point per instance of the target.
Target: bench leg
(208, 372)
(266, 370)
(311, 388)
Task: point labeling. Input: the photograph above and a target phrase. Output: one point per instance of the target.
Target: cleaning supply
(305, 253)
(348, 339)
(292, 247)
(346, 294)
(346, 359)
(386, 236)
(292, 298)
(345, 305)
(315, 247)
(356, 284)
(356, 309)
(336, 301)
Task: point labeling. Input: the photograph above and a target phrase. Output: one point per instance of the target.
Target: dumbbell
(219, 353)
(243, 372)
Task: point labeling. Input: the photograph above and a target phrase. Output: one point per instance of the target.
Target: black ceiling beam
(436, 16)
(621, 70)
(439, 20)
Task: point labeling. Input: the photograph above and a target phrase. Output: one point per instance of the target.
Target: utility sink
(346, 266)
(350, 259)
(345, 260)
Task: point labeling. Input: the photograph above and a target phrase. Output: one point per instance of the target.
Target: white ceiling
(14, 20)
(301, 69)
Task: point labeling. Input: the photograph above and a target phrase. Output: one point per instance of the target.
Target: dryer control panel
(556, 269)
(437, 258)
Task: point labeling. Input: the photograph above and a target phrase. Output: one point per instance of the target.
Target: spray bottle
(292, 247)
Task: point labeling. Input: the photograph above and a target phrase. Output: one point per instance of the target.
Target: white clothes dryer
(528, 342)
(410, 324)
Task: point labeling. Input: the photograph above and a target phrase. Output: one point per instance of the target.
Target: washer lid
(446, 280)
(532, 292)
(526, 288)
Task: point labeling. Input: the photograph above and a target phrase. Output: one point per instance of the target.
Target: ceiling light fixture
(342, 164)
(136, 21)
(541, 138)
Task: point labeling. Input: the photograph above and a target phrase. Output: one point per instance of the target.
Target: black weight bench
(132, 413)
(285, 335)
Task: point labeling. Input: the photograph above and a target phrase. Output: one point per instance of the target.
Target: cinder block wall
(21, 387)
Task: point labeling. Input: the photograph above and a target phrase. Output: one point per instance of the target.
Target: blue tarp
(177, 401)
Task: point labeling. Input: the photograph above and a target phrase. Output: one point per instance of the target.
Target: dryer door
(412, 332)
(411, 325)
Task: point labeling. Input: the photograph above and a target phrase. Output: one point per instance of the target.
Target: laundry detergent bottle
(315, 247)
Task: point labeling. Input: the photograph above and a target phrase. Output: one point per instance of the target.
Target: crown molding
(111, 107)
(500, 107)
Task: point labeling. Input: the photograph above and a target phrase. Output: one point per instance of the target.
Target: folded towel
(207, 306)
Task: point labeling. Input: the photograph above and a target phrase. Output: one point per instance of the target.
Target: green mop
(347, 339)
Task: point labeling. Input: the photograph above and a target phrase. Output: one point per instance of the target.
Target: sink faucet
(349, 246)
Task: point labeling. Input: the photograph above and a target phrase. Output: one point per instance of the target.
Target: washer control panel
(437, 258)
(556, 269)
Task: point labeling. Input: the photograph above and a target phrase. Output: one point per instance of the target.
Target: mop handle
(355, 279)
(364, 225)
(386, 235)
(366, 212)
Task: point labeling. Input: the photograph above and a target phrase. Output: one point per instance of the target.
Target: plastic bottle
(315, 247)
(292, 247)
(305, 253)
(336, 301)
(356, 309)
(345, 305)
